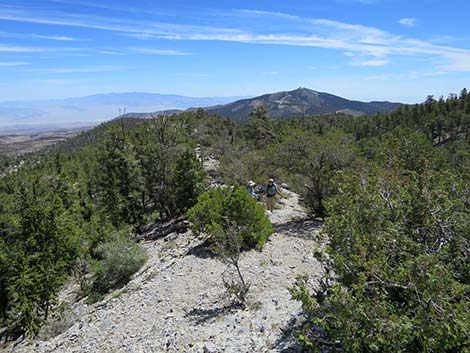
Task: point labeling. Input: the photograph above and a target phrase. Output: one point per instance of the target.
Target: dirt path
(177, 302)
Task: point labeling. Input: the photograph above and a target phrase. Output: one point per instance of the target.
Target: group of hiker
(271, 190)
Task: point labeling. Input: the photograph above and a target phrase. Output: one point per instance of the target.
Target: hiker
(250, 188)
(271, 192)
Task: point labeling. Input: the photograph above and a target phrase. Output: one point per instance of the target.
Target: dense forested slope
(392, 189)
(64, 207)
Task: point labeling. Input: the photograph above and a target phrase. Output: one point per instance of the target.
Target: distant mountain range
(294, 103)
(97, 108)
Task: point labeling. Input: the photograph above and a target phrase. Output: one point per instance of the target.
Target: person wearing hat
(250, 188)
(271, 192)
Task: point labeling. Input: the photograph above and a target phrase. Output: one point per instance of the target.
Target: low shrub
(221, 208)
(119, 260)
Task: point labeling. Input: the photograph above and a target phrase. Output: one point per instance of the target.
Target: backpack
(271, 190)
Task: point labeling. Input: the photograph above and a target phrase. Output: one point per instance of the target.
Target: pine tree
(188, 181)
(120, 179)
(259, 127)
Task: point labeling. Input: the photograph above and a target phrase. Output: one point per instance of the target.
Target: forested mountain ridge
(288, 104)
(299, 102)
(284, 104)
(392, 190)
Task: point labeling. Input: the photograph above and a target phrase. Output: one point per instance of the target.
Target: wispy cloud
(152, 51)
(110, 52)
(457, 62)
(114, 7)
(57, 82)
(13, 63)
(80, 70)
(137, 28)
(40, 36)
(408, 21)
(377, 45)
(268, 13)
(410, 75)
(372, 63)
(57, 38)
(14, 49)
(18, 49)
(270, 73)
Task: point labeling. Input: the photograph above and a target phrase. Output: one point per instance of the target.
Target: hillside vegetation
(300, 102)
(392, 189)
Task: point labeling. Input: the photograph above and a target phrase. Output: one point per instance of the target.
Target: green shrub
(399, 246)
(313, 160)
(188, 180)
(220, 208)
(120, 259)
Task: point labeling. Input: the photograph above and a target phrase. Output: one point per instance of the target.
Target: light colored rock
(177, 302)
(210, 348)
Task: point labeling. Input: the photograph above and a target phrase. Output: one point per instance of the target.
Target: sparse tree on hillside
(314, 160)
(44, 241)
(159, 144)
(120, 179)
(227, 244)
(188, 181)
(259, 127)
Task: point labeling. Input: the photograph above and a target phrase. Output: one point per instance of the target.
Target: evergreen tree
(120, 179)
(188, 181)
(259, 127)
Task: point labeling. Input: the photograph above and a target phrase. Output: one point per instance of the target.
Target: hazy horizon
(96, 108)
(114, 93)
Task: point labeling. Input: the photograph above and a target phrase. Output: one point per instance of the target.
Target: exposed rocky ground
(177, 302)
(17, 144)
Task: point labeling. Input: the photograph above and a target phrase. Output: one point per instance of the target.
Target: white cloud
(110, 52)
(270, 73)
(60, 38)
(141, 36)
(268, 13)
(81, 70)
(58, 82)
(152, 51)
(374, 44)
(372, 63)
(410, 75)
(458, 62)
(18, 49)
(6, 48)
(13, 63)
(408, 21)
(57, 38)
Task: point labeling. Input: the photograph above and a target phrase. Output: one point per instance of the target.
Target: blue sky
(360, 49)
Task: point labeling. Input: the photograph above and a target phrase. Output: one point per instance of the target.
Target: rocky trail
(177, 302)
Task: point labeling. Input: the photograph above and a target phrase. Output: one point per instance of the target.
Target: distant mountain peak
(287, 104)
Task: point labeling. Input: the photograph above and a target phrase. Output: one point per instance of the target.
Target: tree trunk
(179, 225)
